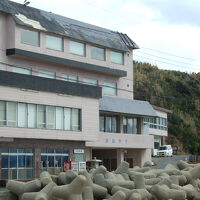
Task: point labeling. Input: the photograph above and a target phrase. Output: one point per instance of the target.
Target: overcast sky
(167, 31)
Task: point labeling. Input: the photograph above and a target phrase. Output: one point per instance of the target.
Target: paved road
(161, 162)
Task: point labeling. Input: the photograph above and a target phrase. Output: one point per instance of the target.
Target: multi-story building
(66, 93)
(158, 127)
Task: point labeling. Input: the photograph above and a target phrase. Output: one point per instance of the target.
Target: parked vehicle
(165, 150)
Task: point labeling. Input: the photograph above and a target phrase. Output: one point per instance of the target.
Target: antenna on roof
(26, 3)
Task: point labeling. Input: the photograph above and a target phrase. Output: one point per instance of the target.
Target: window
(21, 70)
(90, 81)
(130, 125)
(11, 114)
(32, 115)
(110, 88)
(30, 37)
(17, 164)
(156, 123)
(39, 116)
(97, 53)
(108, 123)
(77, 48)
(70, 78)
(2, 113)
(117, 57)
(59, 118)
(22, 115)
(46, 74)
(52, 159)
(53, 42)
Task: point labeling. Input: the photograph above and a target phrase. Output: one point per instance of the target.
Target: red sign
(67, 166)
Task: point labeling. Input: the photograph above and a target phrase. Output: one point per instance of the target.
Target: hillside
(177, 91)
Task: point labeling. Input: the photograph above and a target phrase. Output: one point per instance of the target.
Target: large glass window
(22, 115)
(11, 114)
(156, 123)
(46, 74)
(97, 53)
(117, 57)
(70, 78)
(50, 117)
(77, 48)
(130, 125)
(21, 70)
(30, 37)
(90, 81)
(32, 115)
(17, 164)
(52, 159)
(59, 118)
(53, 42)
(2, 113)
(110, 88)
(108, 123)
(39, 116)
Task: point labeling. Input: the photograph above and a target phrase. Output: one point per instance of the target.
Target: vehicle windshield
(163, 148)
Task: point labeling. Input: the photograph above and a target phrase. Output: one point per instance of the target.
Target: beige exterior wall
(89, 108)
(11, 38)
(114, 140)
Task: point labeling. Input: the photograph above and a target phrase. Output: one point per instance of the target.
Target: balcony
(36, 83)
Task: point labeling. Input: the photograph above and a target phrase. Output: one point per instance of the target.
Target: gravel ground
(161, 162)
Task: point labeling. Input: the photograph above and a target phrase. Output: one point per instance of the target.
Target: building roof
(161, 109)
(126, 106)
(53, 23)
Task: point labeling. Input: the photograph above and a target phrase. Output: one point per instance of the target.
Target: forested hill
(177, 91)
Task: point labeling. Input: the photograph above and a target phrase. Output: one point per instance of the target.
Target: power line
(166, 58)
(168, 53)
(171, 64)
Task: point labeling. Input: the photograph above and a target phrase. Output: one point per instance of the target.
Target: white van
(165, 150)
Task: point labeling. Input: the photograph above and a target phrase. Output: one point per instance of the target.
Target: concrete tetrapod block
(147, 164)
(7, 195)
(19, 188)
(44, 194)
(118, 196)
(98, 191)
(192, 175)
(189, 189)
(152, 181)
(162, 192)
(125, 176)
(100, 170)
(142, 170)
(122, 168)
(72, 191)
(183, 165)
(117, 188)
(87, 193)
(126, 184)
(197, 196)
(45, 178)
(141, 193)
(99, 179)
(139, 181)
(66, 177)
(54, 179)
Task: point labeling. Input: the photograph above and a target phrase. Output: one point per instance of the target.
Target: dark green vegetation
(177, 91)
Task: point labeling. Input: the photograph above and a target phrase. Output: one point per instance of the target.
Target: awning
(126, 106)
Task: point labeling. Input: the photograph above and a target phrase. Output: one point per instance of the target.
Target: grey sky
(176, 11)
(170, 26)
